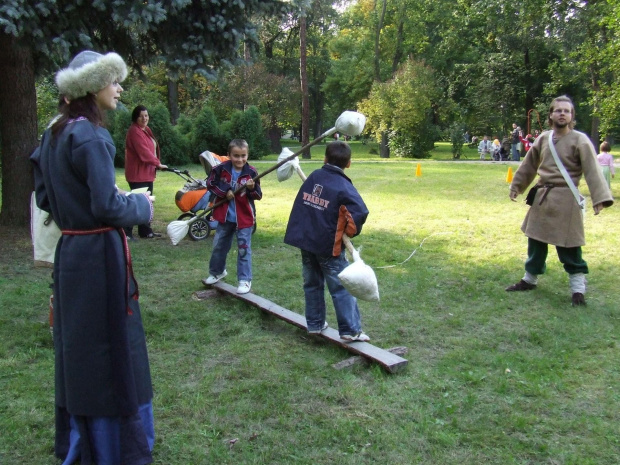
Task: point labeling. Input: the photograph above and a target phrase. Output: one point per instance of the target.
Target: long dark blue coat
(101, 360)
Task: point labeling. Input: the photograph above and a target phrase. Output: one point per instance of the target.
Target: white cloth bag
(359, 279)
(45, 234)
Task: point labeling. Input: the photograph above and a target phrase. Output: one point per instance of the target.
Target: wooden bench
(391, 362)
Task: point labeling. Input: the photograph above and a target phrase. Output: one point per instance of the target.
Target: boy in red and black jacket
(236, 215)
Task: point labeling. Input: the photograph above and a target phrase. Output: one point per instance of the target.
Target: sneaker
(361, 336)
(578, 299)
(244, 287)
(521, 286)
(213, 279)
(319, 331)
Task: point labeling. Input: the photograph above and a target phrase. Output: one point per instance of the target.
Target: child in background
(326, 207)
(236, 215)
(495, 149)
(606, 160)
(527, 142)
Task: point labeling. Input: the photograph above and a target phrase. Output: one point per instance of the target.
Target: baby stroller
(194, 197)
(504, 152)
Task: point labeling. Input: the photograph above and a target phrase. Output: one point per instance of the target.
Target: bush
(418, 143)
(140, 93)
(175, 148)
(118, 123)
(207, 134)
(456, 132)
(185, 126)
(248, 125)
(47, 103)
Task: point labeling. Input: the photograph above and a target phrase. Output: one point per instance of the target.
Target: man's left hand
(597, 208)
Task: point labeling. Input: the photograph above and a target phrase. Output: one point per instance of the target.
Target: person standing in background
(142, 159)
(606, 161)
(515, 139)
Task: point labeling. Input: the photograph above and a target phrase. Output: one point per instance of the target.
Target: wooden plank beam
(391, 362)
(356, 359)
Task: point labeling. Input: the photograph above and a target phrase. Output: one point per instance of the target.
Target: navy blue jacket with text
(326, 207)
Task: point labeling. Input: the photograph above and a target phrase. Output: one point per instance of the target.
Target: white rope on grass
(414, 251)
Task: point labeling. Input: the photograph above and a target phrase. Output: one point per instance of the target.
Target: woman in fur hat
(103, 390)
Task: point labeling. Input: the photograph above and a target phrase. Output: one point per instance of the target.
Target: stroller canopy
(209, 160)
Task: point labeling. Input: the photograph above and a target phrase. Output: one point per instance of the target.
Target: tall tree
(18, 128)
(37, 37)
(276, 97)
(586, 70)
(303, 79)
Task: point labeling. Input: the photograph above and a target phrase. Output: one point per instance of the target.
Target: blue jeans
(516, 156)
(317, 270)
(221, 246)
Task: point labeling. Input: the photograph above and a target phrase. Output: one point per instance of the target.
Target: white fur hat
(89, 72)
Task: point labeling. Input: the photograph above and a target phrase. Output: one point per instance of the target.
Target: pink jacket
(606, 159)
(141, 156)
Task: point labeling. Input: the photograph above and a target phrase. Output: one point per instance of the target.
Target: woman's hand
(162, 167)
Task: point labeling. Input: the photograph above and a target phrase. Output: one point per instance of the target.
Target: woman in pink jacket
(141, 161)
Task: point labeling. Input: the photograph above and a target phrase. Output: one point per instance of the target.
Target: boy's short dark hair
(605, 147)
(239, 143)
(338, 153)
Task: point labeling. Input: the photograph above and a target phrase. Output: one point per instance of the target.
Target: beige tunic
(558, 219)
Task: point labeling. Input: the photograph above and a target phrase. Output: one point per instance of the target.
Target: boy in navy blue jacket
(234, 216)
(326, 207)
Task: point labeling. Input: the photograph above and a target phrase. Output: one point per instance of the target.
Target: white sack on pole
(285, 171)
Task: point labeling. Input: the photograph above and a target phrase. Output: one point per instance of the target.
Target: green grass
(493, 378)
(370, 151)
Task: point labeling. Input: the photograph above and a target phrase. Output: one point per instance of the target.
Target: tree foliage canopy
(186, 34)
(41, 35)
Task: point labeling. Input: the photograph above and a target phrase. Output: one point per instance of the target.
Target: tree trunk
(173, 100)
(384, 148)
(377, 36)
(303, 75)
(400, 38)
(319, 106)
(529, 86)
(595, 135)
(18, 130)
(275, 134)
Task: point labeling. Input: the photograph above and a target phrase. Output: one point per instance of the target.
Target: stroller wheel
(199, 229)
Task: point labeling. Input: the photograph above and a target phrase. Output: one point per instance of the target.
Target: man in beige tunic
(554, 216)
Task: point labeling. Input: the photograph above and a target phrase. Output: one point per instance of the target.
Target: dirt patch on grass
(15, 245)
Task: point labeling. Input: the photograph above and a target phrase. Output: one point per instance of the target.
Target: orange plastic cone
(418, 171)
(509, 175)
